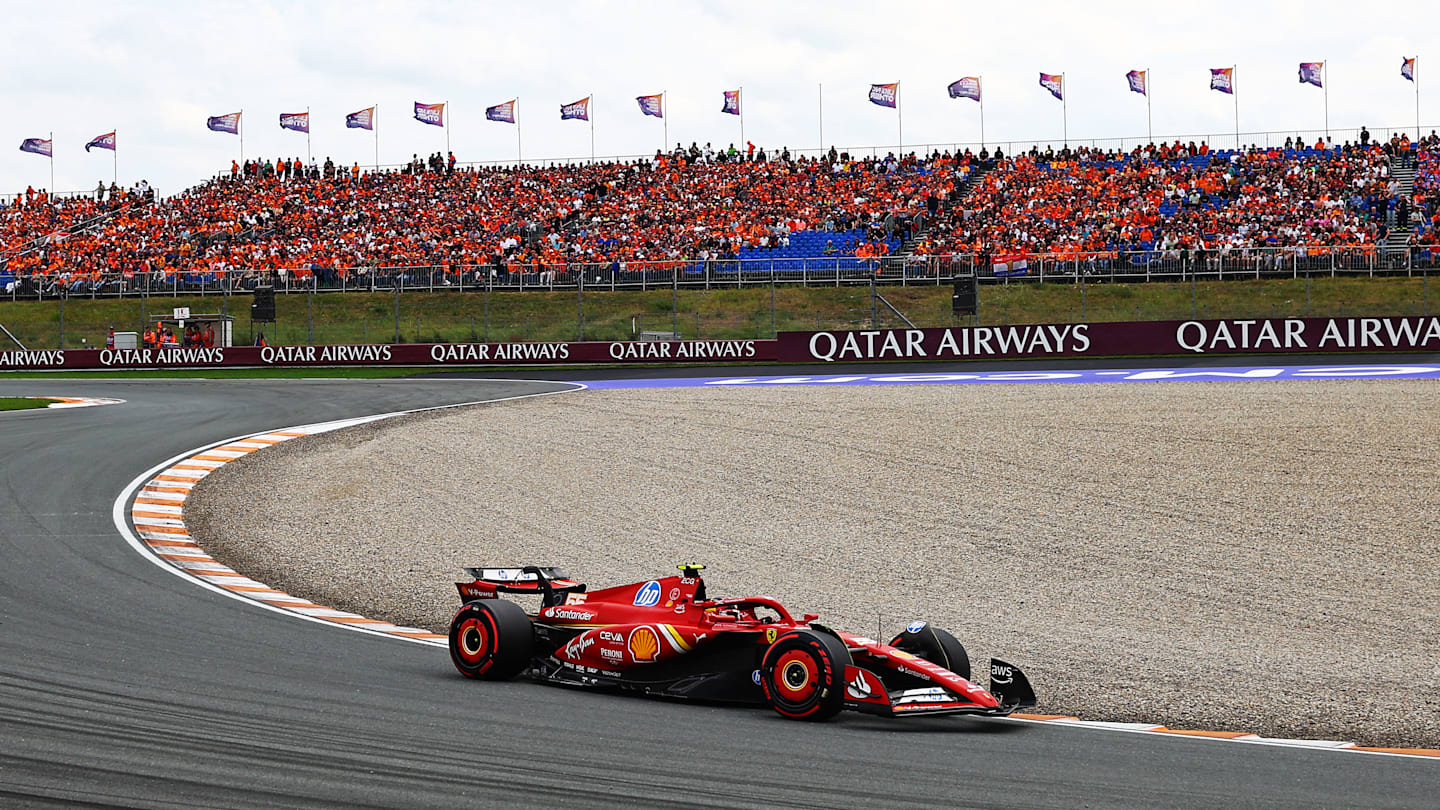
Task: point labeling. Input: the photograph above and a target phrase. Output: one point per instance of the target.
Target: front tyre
(803, 675)
(934, 645)
(491, 640)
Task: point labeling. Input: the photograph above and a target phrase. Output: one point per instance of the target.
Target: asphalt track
(122, 685)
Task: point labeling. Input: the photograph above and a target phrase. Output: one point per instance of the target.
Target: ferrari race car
(666, 637)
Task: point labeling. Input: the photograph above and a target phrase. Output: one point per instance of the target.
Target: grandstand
(1167, 207)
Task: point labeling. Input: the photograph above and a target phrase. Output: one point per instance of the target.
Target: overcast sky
(155, 71)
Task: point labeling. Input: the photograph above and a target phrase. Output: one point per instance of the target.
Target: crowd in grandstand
(700, 203)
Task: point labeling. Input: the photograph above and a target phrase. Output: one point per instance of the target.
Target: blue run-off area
(952, 377)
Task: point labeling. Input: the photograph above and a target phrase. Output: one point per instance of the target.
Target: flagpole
(899, 121)
(664, 122)
(1415, 74)
(519, 154)
(1325, 69)
(375, 129)
(115, 160)
(1064, 111)
(309, 156)
(740, 100)
(821, 88)
(242, 136)
(590, 113)
(980, 85)
(1149, 122)
(1235, 97)
(447, 128)
(52, 164)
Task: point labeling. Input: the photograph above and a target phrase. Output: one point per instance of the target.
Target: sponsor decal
(861, 641)
(674, 594)
(578, 645)
(686, 350)
(755, 677)
(688, 580)
(613, 655)
(914, 673)
(914, 627)
(1001, 675)
(648, 595)
(902, 654)
(612, 635)
(644, 644)
(570, 614)
(933, 694)
(859, 688)
(770, 634)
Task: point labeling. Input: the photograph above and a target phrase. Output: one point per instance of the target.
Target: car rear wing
(547, 581)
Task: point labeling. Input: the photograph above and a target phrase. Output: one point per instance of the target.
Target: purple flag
(1137, 81)
(106, 141)
(650, 105)
(504, 112)
(1223, 79)
(1310, 73)
(1053, 82)
(732, 102)
(884, 94)
(579, 109)
(968, 87)
(432, 114)
(39, 146)
(1407, 68)
(361, 119)
(300, 122)
(224, 123)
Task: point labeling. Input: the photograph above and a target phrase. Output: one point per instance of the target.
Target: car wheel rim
(474, 641)
(796, 676)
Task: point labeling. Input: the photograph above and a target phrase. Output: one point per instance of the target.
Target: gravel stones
(1256, 556)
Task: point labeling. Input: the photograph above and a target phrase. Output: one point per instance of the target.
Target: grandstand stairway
(1402, 170)
(897, 260)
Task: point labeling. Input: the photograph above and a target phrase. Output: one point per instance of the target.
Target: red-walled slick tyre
(934, 645)
(803, 675)
(491, 640)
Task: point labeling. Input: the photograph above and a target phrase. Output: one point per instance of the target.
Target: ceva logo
(648, 595)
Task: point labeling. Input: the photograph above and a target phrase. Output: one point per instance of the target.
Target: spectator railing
(1113, 267)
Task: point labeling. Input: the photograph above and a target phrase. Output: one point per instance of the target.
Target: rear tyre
(803, 675)
(934, 645)
(491, 640)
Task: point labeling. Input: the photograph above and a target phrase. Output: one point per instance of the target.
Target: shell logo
(644, 644)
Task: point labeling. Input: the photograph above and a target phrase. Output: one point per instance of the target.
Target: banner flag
(884, 94)
(300, 122)
(504, 112)
(1407, 68)
(650, 105)
(732, 102)
(1052, 82)
(39, 146)
(968, 87)
(1013, 264)
(361, 119)
(1310, 73)
(432, 114)
(1137, 81)
(106, 141)
(1222, 79)
(224, 123)
(577, 109)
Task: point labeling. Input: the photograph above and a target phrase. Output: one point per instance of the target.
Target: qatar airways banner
(426, 354)
(1130, 338)
(1125, 339)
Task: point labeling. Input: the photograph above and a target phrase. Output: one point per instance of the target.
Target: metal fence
(1117, 267)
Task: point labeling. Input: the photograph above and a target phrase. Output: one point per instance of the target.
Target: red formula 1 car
(666, 637)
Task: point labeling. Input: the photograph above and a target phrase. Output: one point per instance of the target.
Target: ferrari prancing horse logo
(770, 634)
